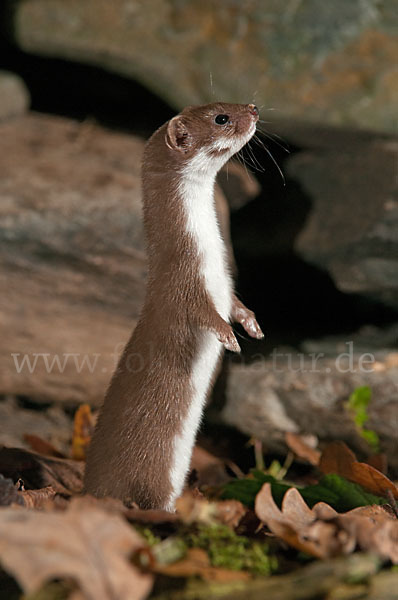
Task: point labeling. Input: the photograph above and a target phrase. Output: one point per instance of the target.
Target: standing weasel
(142, 444)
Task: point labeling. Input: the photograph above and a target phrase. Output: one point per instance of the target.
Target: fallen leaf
(210, 470)
(337, 491)
(379, 462)
(324, 533)
(191, 509)
(293, 522)
(375, 530)
(299, 444)
(65, 476)
(42, 446)
(83, 543)
(83, 428)
(230, 512)
(197, 563)
(38, 498)
(338, 458)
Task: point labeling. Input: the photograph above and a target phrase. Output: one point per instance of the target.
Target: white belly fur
(202, 225)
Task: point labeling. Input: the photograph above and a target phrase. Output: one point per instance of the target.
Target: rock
(352, 228)
(14, 96)
(52, 425)
(72, 260)
(333, 66)
(72, 265)
(292, 392)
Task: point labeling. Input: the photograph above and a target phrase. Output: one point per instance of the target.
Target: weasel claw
(230, 342)
(252, 328)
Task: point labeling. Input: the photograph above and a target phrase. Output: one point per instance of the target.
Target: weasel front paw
(250, 325)
(247, 319)
(229, 341)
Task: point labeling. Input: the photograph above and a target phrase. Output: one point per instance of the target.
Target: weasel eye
(221, 119)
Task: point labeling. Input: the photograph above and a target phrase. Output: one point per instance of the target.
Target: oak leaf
(299, 444)
(42, 446)
(83, 543)
(323, 532)
(192, 509)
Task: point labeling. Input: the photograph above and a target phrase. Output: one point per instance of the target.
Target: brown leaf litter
(84, 543)
(324, 533)
(338, 458)
(211, 470)
(65, 476)
(303, 447)
(193, 509)
(83, 428)
(41, 446)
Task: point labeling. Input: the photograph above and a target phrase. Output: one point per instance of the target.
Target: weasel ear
(178, 136)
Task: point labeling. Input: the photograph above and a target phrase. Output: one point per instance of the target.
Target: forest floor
(315, 524)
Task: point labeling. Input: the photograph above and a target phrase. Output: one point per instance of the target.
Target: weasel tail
(143, 441)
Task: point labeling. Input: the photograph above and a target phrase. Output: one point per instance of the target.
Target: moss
(148, 535)
(230, 551)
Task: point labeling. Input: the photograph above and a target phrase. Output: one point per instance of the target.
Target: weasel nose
(253, 110)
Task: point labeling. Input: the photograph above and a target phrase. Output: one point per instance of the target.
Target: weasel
(142, 444)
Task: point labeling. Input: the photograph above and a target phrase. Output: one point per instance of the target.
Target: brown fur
(149, 395)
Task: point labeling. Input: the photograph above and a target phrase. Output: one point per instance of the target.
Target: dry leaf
(230, 512)
(379, 462)
(84, 543)
(323, 532)
(63, 475)
(374, 528)
(210, 470)
(192, 509)
(38, 498)
(338, 458)
(300, 446)
(197, 562)
(83, 428)
(292, 524)
(42, 446)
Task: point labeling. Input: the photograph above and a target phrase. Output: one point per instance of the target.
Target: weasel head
(205, 137)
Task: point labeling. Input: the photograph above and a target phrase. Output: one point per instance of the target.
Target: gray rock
(52, 425)
(352, 228)
(72, 266)
(298, 393)
(72, 254)
(14, 96)
(336, 65)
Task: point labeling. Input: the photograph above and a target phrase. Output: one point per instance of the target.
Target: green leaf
(336, 491)
(358, 404)
(246, 490)
(360, 398)
(347, 495)
(372, 438)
